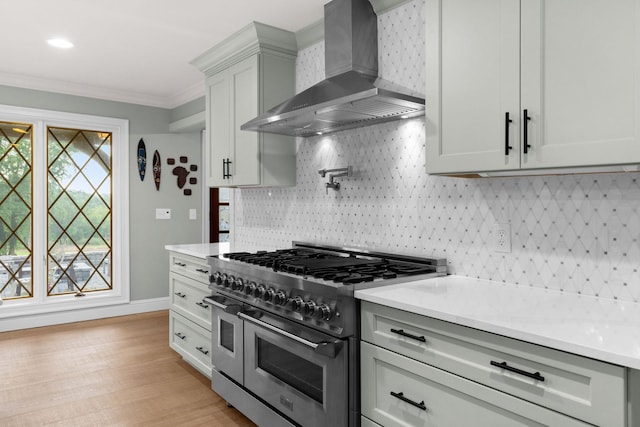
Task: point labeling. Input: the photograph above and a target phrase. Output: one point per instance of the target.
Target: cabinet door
(218, 129)
(472, 75)
(581, 82)
(245, 166)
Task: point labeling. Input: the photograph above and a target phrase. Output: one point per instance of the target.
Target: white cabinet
(190, 316)
(246, 75)
(453, 375)
(526, 85)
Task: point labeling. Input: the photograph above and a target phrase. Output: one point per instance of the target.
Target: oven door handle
(217, 301)
(325, 348)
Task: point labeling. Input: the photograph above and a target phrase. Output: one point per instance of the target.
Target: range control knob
(220, 278)
(296, 303)
(213, 276)
(237, 285)
(228, 281)
(324, 312)
(250, 288)
(269, 294)
(309, 307)
(259, 292)
(280, 298)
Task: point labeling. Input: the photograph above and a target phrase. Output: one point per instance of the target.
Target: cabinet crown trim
(253, 39)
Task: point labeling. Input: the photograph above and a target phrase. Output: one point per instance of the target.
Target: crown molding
(196, 90)
(250, 40)
(84, 90)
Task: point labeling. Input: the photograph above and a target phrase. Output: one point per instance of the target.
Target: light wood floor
(109, 372)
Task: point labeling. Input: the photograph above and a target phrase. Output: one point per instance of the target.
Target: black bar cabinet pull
(179, 335)
(507, 120)
(229, 168)
(503, 365)
(202, 350)
(409, 401)
(225, 168)
(525, 136)
(180, 294)
(405, 334)
(202, 304)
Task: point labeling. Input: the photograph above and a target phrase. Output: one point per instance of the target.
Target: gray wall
(188, 109)
(149, 261)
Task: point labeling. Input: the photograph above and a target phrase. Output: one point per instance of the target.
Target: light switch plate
(163, 213)
(193, 214)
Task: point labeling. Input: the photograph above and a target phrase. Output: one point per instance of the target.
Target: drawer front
(192, 267)
(187, 298)
(191, 341)
(584, 388)
(400, 392)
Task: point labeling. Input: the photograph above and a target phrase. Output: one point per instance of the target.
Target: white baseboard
(79, 315)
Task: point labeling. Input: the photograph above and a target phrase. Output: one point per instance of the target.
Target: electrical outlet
(193, 214)
(163, 213)
(502, 238)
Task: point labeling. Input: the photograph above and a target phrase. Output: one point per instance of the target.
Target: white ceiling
(129, 50)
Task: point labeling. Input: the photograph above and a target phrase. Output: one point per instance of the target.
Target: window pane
(224, 218)
(15, 210)
(223, 237)
(223, 195)
(79, 211)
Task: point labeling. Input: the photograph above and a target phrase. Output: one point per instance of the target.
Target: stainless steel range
(286, 329)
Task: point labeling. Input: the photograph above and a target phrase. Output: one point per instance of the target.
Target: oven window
(226, 335)
(301, 374)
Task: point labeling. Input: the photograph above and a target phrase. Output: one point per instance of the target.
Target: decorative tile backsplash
(575, 233)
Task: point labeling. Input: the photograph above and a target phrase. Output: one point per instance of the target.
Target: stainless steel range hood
(352, 95)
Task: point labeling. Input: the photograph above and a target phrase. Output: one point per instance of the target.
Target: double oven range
(285, 329)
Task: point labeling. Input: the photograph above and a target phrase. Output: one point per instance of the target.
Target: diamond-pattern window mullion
(79, 167)
(15, 192)
(16, 236)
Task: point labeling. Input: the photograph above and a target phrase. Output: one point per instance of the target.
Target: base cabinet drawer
(401, 392)
(583, 388)
(191, 341)
(187, 298)
(195, 268)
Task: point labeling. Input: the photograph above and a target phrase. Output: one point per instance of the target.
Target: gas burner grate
(346, 268)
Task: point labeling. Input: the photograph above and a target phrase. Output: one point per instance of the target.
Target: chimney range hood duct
(352, 95)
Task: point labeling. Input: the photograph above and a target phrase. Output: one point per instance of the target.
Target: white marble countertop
(200, 250)
(599, 328)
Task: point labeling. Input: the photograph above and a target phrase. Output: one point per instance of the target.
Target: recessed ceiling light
(61, 43)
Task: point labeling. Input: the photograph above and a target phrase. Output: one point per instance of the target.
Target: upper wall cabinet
(532, 85)
(247, 74)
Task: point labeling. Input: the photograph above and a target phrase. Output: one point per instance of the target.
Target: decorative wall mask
(156, 169)
(142, 159)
